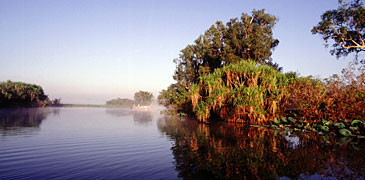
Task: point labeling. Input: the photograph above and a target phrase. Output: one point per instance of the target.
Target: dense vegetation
(228, 76)
(19, 94)
(126, 103)
(241, 92)
(143, 98)
(249, 37)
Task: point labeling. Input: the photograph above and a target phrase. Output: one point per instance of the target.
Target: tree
(143, 98)
(244, 38)
(345, 26)
(249, 37)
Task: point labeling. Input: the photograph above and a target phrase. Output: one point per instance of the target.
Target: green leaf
(284, 119)
(325, 128)
(345, 132)
(276, 120)
(356, 122)
(340, 125)
(292, 119)
(354, 128)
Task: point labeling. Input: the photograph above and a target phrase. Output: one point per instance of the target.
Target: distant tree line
(126, 103)
(141, 98)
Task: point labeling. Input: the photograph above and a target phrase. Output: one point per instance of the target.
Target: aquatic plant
(253, 92)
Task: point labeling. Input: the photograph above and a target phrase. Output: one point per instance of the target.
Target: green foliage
(276, 120)
(175, 96)
(143, 98)
(243, 91)
(324, 128)
(227, 74)
(249, 37)
(127, 103)
(291, 119)
(19, 94)
(339, 125)
(345, 132)
(356, 122)
(345, 26)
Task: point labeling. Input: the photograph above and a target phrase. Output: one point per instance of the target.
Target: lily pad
(325, 128)
(276, 120)
(354, 128)
(356, 122)
(340, 125)
(345, 132)
(324, 121)
(284, 119)
(357, 148)
(291, 119)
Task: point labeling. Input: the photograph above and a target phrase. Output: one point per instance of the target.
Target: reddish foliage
(335, 98)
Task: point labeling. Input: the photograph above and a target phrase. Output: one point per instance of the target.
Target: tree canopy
(249, 37)
(19, 94)
(143, 98)
(345, 26)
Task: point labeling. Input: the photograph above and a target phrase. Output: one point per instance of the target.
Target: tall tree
(249, 37)
(345, 26)
(143, 98)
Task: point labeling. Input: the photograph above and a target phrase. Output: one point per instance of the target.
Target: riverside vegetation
(19, 94)
(228, 75)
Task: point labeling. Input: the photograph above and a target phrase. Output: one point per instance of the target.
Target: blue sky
(93, 51)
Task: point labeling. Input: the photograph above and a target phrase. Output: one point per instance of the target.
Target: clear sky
(95, 50)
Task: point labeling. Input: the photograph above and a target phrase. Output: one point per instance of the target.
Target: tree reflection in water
(117, 112)
(23, 120)
(225, 151)
(140, 117)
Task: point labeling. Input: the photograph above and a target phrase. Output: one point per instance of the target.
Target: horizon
(89, 53)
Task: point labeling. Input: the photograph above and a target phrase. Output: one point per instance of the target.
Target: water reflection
(140, 117)
(23, 120)
(224, 151)
(117, 112)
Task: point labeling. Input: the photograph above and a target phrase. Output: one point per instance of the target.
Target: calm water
(107, 143)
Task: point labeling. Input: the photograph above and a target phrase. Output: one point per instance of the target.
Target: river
(112, 143)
